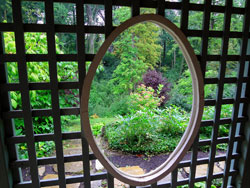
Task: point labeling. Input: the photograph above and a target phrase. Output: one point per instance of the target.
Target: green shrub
(104, 102)
(97, 129)
(144, 99)
(149, 132)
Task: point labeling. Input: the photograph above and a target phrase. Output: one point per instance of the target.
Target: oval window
(141, 122)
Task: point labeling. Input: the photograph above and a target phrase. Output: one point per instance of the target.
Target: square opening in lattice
(73, 168)
(234, 45)
(195, 42)
(223, 130)
(181, 174)
(226, 111)
(16, 100)
(35, 43)
(174, 16)
(9, 42)
(71, 123)
(120, 14)
(185, 172)
(93, 42)
(19, 128)
(208, 113)
(25, 174)
(6, 12)
(67, 71)
(205, 133)
(218, 167)
(214, 46)
(201, 170)
(222, 147)
(195, 19)
(212, 69)
(236, 22)
(147, 11)
(241, 4)
(40, 99)
(38, 71)
(65, 13)
(43, 124)
(232, 69)
(229, 90)
(45, 149)
(247, 64)
(72, 147)
(219, 2)
(197, 1)
(217, 182)
(22, 151)
(69, 98)
(94, 15)
(66, 43)
(33, 12)
(48, 172)
(216, 21)
(12, 72)
(210, 91)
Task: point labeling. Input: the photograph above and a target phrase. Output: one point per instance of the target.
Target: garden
(141, 96)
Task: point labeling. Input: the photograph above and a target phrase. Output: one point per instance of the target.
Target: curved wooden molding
(197, 107)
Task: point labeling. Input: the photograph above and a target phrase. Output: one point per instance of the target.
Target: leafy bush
(155, 79)
(181, 93)
(104, 102)
(144, 99)
(148, 132)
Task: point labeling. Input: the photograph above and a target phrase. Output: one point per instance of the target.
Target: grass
(98, 123)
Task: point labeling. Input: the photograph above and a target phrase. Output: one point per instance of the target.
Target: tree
(137, 48)
(33, 12)
(131, 68)
(5, 11)
(94, 15)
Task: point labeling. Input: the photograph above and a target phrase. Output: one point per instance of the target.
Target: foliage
(36, 43)
(104, 102)
(33, 12)
(144, 99)
(181, 93)
(97, 129)
(130, 70)
(137, 48)
(147, 131)
(154, 79)
(5, 11)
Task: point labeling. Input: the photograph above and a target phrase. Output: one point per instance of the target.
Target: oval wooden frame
(197, 106)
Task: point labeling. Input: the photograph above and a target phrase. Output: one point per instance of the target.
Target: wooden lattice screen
(239, 102)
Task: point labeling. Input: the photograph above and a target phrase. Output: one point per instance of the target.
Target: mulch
(147, 163)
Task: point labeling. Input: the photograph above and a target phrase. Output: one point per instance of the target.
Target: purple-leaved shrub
(154, 79)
